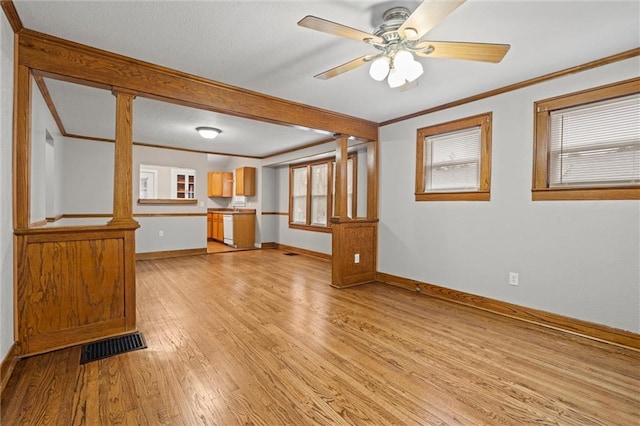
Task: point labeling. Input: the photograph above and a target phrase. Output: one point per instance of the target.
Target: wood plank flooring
(260, 338)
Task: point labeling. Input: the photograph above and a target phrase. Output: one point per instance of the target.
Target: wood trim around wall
(574, 326)
(170, 253)
(297, 250)
(516, 86)
(12, 15)
(7, 366)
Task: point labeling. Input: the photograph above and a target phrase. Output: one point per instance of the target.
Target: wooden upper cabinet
(220, 184)
(246, 181)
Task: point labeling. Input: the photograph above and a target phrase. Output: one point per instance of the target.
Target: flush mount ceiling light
(401, 36)
(208, 132)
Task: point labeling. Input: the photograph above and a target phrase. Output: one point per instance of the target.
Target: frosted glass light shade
(208, 132)
(396, 78)
(413, 71)
(379, 68)
(402, 60)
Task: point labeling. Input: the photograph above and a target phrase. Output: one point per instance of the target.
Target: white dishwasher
(227, 226)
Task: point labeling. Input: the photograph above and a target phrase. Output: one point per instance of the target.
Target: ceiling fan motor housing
(392, 20)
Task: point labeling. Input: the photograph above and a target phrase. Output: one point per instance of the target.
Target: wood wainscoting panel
(353, 238)
(73, 287)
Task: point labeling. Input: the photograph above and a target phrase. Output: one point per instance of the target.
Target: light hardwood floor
(259, 338)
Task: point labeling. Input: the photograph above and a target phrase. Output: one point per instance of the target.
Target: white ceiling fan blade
(330, 27)
(348, 66)
(484, 52)
(427, 16)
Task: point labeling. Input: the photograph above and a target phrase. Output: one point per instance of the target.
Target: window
(587, 145)
(453, 160)
(312, 189)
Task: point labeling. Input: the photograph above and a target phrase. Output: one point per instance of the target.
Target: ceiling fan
(399, 37)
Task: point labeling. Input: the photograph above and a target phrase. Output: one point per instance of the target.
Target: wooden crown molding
(573, 70)
(47, 99)
(12, 15)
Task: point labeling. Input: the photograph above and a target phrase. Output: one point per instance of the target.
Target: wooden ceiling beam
(53, 55)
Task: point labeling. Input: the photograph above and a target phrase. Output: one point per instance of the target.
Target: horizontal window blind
(299, 199)
(452, 161)
(319, 193)
(596, 144)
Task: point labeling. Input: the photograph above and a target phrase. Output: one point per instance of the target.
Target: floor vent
(114, 346)
(291, 254)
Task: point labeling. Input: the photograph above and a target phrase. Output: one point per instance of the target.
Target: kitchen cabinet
(185, 185)
(217, 227)
(209, 225)
(244, 230)
(220, 184)
(246, 181)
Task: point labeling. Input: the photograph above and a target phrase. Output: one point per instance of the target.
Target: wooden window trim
(540, 190)
(329, 162)
(484, 191)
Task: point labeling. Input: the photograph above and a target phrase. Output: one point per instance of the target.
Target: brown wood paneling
(73, 285)
(54, 55)
(351, 237)
(535, 316)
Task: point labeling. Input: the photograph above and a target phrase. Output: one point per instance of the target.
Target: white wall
(42, 124)
(575, 258)
(269, 189)
(309, 240)
(87, 176)
(179, 232)
(6, 220)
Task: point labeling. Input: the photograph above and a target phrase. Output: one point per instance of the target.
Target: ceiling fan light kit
(208, 132)
(399, 38)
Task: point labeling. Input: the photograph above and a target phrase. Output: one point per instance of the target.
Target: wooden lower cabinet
(215, 230)
(209, 225)
(244, 230)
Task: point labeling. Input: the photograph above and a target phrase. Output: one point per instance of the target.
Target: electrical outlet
(356, 258)
(161, 233)
(513, 278)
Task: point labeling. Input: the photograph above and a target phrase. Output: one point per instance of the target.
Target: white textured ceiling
(257, 45)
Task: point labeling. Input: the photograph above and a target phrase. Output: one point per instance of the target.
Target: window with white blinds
(299, 195)
(452, 161)
(587, 144)
(595, 144)
(311, 192)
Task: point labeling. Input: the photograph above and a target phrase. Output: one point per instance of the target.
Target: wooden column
(123, 170)
(341, 177)
(21, 146)
(372, 180)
